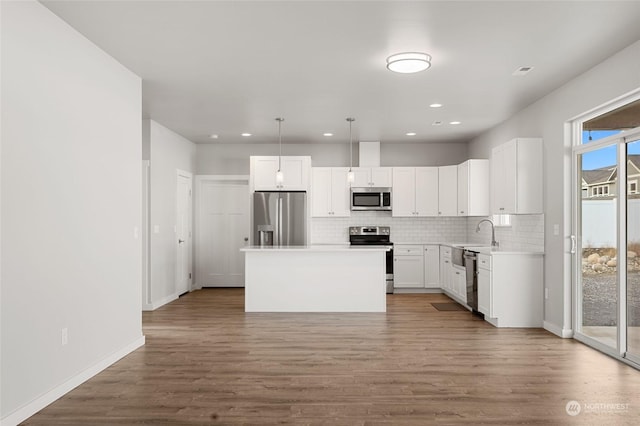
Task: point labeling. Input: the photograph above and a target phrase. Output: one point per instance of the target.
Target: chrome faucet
(494, 243)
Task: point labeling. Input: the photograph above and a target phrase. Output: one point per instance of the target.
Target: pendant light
(279, 175)
(351, 177)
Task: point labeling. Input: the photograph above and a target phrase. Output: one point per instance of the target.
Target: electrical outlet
(546, 293)
(65, 336)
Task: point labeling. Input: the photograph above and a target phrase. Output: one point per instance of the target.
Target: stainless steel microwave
(370, 198)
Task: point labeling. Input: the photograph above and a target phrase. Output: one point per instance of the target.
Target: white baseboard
(155, 305)
(38, 404)
(416, 290)
(557, 330)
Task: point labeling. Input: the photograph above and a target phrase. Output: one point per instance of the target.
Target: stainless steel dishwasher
(471, 267)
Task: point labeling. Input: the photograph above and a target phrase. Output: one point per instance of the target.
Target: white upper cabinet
(415, 191)
(295, 170)
(448, 191)
(330, 192)
(372, 177)
(473, 188)
(516, 177)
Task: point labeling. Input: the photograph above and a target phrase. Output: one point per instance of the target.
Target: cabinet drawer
(407, 250)
(484, 261)
(445, 250)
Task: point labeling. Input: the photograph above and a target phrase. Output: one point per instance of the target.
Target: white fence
(599, 222)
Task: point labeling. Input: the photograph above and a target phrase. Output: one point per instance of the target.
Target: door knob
(180, 241)
(246, 239)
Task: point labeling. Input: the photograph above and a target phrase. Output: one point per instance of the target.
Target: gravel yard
(599, 290)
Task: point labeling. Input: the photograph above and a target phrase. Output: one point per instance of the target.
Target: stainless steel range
(375, 236)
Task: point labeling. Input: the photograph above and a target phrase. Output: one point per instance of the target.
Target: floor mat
(448, 307)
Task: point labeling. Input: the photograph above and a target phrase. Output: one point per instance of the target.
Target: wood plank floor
(206, 362)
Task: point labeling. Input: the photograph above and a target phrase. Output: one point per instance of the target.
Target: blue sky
(605, 156)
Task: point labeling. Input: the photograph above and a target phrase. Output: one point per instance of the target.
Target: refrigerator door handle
(279, 225)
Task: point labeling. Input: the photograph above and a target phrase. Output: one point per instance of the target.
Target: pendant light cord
(280, 120)
(350, 120)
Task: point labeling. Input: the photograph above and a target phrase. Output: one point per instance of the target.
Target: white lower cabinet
(484, 285)
(446, 269)
(431, 266)
(408, 266)
(510, 289)
(459, 279)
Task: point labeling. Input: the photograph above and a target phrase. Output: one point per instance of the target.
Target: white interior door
(223, 229)
(183, 233)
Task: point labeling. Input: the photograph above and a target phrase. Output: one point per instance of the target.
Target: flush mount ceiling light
(455, 123)
(410, 133)
(246, 135)
(436, 105)
(408, 62)
(327, 134)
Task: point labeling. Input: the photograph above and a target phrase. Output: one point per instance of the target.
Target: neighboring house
(602, 182)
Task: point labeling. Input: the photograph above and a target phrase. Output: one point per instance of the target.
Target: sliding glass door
(633, 249)
(598, 310)
(607, 242)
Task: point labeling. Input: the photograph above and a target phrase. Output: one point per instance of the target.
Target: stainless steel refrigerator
(280, 218)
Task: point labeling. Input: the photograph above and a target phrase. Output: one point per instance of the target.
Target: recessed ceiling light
(437, 123)
(522, 71)
(455, 122)
(213, 136)
(327, 134)
(436, 105)
(408, 62)
(246, 135)
(411, 133)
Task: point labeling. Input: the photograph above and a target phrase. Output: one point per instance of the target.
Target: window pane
(598, 237)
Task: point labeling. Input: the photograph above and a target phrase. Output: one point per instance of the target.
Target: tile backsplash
(403, 229)
(525, 233)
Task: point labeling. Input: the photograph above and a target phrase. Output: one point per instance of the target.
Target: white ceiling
(228, 67)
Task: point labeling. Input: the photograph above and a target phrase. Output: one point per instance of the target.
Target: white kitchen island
(319, 278)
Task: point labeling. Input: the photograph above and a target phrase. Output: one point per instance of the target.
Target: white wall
(169, 152)
(546, 118)
(229, 159)
(70, 191)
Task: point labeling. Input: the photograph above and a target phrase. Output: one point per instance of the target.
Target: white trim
(222, 177)
(190, 238)
(431, 290)
(184, 173)
(158, 303)
(146, 234)
(557, 330)
(41, 402)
